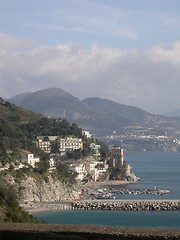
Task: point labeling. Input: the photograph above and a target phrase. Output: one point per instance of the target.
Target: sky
(127, 51)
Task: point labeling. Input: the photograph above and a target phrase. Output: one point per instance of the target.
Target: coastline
(39, 207)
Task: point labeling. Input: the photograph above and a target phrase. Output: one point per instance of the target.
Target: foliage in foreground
(10, 211)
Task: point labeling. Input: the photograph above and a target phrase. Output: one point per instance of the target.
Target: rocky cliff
(49, 190)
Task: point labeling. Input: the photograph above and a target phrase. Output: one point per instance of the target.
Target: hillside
(10, 211)
(18, 130)
(19, 127)
(100, 116)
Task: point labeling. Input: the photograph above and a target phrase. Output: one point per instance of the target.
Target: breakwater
(128, 205)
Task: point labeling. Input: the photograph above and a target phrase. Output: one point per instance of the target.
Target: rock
(44, 191)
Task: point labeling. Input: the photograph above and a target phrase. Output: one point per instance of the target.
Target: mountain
(52, 102)
(100, 116)
(19, 98)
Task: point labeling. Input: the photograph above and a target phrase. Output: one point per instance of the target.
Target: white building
(70, 144)
(28, 158)
(86, 133)
(80, 169)
(96, 169)
(52, 165)
(44, 145)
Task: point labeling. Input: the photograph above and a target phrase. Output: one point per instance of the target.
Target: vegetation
(19, 129)
(64, 174)
(10, 211)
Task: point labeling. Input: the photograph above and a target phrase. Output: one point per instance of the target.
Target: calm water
(160, 170)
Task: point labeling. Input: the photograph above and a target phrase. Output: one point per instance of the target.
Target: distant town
(144, 139)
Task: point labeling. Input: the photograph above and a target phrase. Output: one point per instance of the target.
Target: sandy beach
(38, 207)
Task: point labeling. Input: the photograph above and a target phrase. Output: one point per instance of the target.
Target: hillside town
(88, 169)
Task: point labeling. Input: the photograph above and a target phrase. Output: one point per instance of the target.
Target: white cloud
(12, 42)
(145, 78)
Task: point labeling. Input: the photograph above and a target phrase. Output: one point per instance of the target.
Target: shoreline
(37, 207)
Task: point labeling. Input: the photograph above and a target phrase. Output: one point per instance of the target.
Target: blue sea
(156, 170)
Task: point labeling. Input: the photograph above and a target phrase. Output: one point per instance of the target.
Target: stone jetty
(128, 205)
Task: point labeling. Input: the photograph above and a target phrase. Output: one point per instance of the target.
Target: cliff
(49, 190)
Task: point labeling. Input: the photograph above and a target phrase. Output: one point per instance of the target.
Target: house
(86, 133)
(28, 158)
(80, 169)
(52, 165)
(44, 144)
(96, 169)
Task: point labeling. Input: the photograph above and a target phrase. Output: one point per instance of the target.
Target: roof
(26, 152)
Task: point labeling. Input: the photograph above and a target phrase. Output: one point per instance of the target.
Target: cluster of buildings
(48, 144)
(90, 170)
(87, 169)
(62, 145)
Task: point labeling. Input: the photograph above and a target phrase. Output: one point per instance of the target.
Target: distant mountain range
(99, 116)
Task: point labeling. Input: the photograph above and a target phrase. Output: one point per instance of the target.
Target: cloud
(146, 78)
(12, 42)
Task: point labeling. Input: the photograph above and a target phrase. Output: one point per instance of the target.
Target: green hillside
(19, 127)
(18, 130)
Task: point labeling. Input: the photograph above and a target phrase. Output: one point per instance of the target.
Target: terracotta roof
(26, 151)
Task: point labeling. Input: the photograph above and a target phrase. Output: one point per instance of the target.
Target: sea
(157, 170)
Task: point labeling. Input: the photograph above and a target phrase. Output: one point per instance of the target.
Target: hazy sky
(127, 51)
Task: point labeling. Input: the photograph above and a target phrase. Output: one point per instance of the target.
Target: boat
(105, 196)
